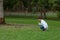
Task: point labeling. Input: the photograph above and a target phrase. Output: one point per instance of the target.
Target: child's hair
(39, 17)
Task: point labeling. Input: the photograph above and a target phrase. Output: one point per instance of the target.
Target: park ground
(27, 29)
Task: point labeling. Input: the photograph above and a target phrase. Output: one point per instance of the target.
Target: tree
(44, 6)
(57, 7)
(2, 19)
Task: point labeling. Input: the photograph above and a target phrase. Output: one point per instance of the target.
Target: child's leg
(44, 29)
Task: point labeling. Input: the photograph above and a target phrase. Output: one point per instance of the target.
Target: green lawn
(30, 32)
(21, 20)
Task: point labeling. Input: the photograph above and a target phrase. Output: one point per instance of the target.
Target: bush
(58, 14)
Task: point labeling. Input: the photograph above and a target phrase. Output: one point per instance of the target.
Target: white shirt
(44, 23)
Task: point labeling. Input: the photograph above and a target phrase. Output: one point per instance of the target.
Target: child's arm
(39, 23)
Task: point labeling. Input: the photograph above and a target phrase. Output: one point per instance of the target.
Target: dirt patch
(17, 25)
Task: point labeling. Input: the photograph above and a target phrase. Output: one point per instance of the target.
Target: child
(43, 24)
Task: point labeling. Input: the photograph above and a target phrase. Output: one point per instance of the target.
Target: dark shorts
(42, 27)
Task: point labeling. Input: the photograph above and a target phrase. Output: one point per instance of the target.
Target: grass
(30, 33)
(21, 20)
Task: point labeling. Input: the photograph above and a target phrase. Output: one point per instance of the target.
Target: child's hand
(39, 23)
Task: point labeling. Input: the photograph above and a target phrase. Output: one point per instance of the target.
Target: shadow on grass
(56, 19)
(33, 17)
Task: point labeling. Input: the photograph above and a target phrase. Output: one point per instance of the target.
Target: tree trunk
(45, 15)
(41, 14)
(2, 19)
